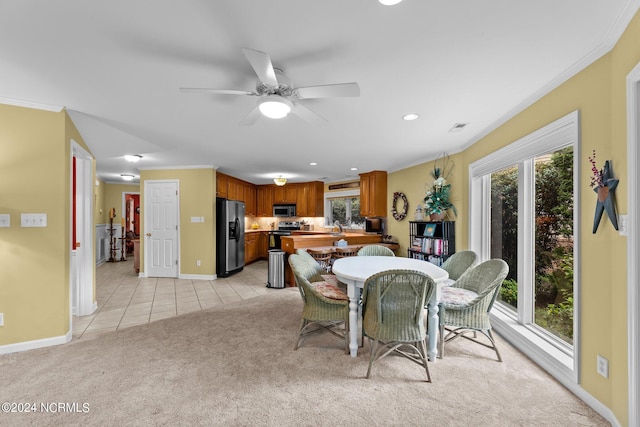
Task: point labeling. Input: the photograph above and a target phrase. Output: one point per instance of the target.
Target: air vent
(458, 127)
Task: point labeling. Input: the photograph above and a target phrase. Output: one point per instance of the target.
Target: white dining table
(355, 270)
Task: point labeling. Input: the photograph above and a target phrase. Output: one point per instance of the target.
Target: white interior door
(161, 228)
(82, 264)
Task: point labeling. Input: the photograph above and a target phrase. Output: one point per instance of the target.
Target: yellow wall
(113, 199)
(99, 212)
(413, 182)
(599, 93)
(34, 262)
(197, 198)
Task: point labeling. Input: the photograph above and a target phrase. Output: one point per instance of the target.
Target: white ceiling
(117, 65)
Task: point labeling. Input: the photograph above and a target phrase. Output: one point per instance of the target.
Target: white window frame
(557, 357)
(336, 195)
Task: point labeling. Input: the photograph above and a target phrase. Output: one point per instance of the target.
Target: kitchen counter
(317, 240)
(296, 241)
(259, 230)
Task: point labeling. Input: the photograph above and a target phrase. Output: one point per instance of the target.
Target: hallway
(125, 300)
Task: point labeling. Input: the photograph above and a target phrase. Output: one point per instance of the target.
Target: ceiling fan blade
(251, 118)
(216, 91)
(328, 91)
(307, 115)
(261, 63)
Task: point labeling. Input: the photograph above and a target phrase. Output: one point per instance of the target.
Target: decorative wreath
(399, 216)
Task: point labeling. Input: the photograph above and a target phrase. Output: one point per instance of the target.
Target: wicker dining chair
(457, 264)
(313, 264)
(393, 306)
(375, 250)
(326, 307)
(322, 257)
(345, 252)
(465, 307)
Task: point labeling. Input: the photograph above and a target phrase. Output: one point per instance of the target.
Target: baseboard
(31, 345)
(554, 366)
(197, 276)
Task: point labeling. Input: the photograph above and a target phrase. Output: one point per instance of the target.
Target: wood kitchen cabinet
(301, 200)
(373, 193)
(232, 188)
(310, 199)
(259, 199)
(286, 194)
(250, 199)
(264, 199)
(222, 185)
(263, 245)
(251, 247)
(236, 189)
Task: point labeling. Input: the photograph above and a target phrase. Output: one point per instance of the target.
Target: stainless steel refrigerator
(229, 237)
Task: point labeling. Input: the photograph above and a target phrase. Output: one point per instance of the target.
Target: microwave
(284, 210)
(374, 225)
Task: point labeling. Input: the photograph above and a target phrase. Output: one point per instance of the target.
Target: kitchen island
(290, 244)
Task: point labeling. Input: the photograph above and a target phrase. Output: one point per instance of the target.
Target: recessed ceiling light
(410, 116)
(389, 2)
(354, 169)
(313, 164)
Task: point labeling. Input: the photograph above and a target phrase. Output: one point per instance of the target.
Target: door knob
(148, 234)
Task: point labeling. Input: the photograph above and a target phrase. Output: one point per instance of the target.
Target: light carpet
(234, 365)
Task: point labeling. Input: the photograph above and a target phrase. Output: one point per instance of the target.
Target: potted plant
(438, 195)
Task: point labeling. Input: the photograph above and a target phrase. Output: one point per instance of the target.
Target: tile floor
(124, 299)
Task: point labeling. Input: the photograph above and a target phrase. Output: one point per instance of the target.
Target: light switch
(195, 219)
(5, 220)
(33, 220)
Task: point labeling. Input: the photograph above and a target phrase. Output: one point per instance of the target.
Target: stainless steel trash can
(275, 271)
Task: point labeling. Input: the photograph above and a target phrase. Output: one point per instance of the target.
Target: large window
(343, 207)
(523, 198)
(552, 252)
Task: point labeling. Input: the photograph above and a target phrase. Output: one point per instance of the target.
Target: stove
(288, 225)
(284, 229)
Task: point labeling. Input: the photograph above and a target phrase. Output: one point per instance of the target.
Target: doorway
(81, 269)
(131, 215)
(633, 243)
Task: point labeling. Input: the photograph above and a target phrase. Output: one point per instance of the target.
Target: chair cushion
(448, 282)
(330, 278)
(456, 297)
(329, 291)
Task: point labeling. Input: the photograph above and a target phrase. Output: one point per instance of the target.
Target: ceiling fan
(276, 95)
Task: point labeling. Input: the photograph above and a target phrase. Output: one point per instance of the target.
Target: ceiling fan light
(280, 181)
(274, 107)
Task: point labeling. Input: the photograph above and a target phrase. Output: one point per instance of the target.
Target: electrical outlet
(603, 366)
(198, 263)
(623, 220)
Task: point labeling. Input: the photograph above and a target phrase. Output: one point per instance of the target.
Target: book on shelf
(434, 246)
(435, 260)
